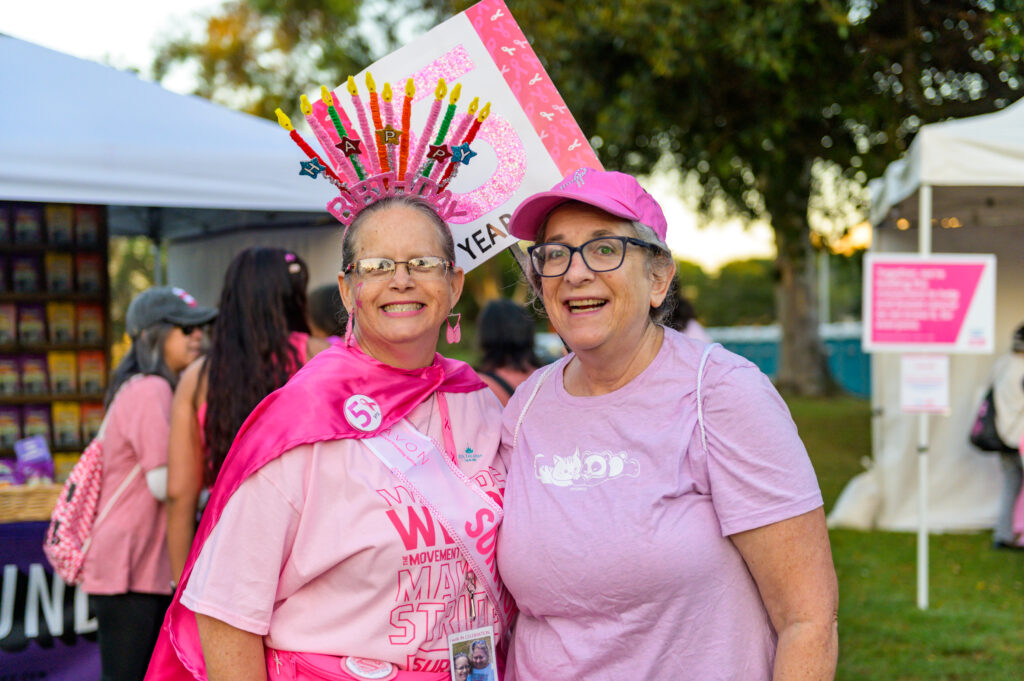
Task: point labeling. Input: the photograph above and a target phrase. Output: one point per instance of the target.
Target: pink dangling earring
(348, 328)
(349, 335)
(453, 334)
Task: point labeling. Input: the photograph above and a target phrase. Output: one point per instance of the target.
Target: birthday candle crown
(368, 163)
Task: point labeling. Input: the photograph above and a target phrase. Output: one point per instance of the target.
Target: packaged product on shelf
(60, 319)
(33, 374)
(67, 424)
(35, 464)
(92, 371)
(87, 225)
(5, 223)
(35, 420)
(63, 373)
(63, 462)
(10, 426)
(90, 323)
(92, 417)
(59, 218)
(8, 323)
(10, 375)
(59, 273)
(89, 268)
(26, 274)
(31, 324)
(28, 224)
(9, 473)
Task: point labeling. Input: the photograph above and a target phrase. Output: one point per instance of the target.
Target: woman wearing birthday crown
(352, 528)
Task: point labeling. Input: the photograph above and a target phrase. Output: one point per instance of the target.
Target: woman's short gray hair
(658, 258)
(444, 233)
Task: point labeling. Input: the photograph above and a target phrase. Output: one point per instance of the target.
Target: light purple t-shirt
(614, 542)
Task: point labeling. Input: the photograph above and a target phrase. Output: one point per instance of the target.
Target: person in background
(505, 333)
(1008, 399)
(126, 571)
(260, 339)
(684, 320)
(662, 518)
(327, 316)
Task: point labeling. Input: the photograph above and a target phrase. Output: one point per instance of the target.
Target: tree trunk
(803, 363)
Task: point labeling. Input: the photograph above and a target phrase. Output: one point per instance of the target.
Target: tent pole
(154, 220)
(925, 248)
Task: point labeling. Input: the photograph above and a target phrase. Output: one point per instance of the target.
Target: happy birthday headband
(368, 169)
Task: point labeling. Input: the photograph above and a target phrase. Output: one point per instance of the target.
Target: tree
(756, 98)
(257, 55)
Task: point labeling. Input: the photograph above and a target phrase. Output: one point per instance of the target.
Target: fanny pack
(286, 665)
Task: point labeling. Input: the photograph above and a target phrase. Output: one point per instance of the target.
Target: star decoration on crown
(462, 153)
(439, 152)
(350, 146)
(312, 168)
(389, 135)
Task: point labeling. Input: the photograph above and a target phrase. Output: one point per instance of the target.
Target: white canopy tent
(175, 168)
(963, 181)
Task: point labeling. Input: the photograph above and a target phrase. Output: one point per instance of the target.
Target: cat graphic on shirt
(586, 469)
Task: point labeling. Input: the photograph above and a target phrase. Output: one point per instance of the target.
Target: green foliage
(973, 627)
(741, 293)
(256, 55)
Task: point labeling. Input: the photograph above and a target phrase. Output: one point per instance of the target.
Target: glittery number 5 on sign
(495, 131)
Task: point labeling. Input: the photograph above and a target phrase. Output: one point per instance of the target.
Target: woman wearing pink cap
(663, 521)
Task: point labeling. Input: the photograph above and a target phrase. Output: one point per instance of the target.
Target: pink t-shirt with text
(615, 538)
(129, 548)
(323, 551)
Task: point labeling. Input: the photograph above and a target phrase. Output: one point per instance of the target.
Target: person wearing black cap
(126, 572)
(1008, 398)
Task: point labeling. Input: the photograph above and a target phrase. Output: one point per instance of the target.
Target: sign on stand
(934, 305)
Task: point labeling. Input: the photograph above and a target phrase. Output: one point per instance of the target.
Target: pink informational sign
(942, 303)
(528, 142)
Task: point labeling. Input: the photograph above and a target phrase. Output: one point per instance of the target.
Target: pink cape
(305, 410)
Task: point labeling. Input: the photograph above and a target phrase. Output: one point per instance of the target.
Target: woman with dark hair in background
(260, 340)
(505, 333)
(327, 314)
(126, 573)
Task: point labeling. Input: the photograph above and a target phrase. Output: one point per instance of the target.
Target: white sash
(469, 515)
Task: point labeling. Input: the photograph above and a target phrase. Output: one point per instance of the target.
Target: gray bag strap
(536, 388)
(700, 399)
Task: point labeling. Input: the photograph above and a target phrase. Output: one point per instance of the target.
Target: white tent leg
(924, 241)
(922, 511)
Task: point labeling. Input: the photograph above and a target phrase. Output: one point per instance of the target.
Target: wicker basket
(19, 503)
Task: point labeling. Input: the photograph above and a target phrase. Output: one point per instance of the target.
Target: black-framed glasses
(425, 267)
(603, 254)
(188, 329)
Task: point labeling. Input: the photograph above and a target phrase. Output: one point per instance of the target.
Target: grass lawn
(974, 628)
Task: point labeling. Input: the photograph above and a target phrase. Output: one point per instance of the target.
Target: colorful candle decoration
(364, 124)
(328, 99)
(435, 110)
(467, 119)
(286, 123)
(389, 121)
(449, 114)
(470, 136)
(403, 147)
(326, 141)
(378, 124)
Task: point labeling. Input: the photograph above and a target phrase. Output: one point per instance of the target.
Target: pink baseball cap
(616, 193)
